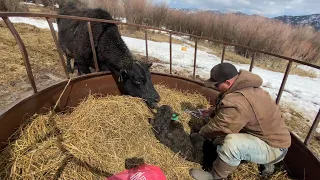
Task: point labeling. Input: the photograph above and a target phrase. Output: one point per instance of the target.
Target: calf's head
(163, 124)
(137, 82)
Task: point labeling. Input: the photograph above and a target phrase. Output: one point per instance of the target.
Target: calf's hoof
(266, 169)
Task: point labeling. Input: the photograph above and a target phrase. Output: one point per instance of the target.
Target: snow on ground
(42, 24)
(300, 93)
(32, 4)
(124, 20)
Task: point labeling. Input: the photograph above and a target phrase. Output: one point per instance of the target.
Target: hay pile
(43, 57)
(101, 137)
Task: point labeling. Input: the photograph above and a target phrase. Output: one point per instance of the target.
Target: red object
(143, 172)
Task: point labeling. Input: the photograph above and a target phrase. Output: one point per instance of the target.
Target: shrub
(12, 6)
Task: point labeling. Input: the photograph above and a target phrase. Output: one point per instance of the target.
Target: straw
(101, 137)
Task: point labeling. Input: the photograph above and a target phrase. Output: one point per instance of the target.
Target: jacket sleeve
(229, 119)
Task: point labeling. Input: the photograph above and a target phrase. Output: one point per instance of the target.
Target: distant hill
(307, 20)
(196, 10)
(312, 20)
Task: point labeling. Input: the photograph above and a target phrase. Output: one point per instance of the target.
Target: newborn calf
(171, 134)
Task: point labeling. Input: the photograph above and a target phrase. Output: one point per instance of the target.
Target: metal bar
(170, 53)
(195, 58)
(55, 39)
(23, 51)
(146, 37)
(5, 14)
(313, 129)
(93, 47)
(284, 81)
(252, 62)
(223, 52)
(31, 78)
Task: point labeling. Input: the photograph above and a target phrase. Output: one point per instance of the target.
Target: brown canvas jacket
(246, 107)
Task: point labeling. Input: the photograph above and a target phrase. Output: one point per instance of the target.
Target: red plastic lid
(143, 172)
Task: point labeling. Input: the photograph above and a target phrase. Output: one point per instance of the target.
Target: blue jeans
(241, 146)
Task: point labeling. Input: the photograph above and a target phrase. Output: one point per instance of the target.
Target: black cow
(112, 53)
(190, 146)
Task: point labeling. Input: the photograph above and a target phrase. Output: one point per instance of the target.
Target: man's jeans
(246, 147)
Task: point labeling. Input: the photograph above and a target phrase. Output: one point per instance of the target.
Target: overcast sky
(268, 8)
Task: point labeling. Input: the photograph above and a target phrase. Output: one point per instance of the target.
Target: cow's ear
(122, 75)
(148, 64)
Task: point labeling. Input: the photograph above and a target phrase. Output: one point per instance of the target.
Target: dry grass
(253, 31)
(40, 47)
(12, 6)
(43, 57)
(249, 171)
(98, 137)
(297, 124)
(39, 9)
(152, 35)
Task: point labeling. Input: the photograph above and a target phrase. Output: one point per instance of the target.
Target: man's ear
(228, 82)
(122, 75)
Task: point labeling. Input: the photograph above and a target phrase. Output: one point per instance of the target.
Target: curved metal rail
(5, 15)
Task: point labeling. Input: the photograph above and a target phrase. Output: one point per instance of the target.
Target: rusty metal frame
(146, 38)
(195, 58)
(284, 81)
(252, 62)
(5, 15)
(23, 51)
(170, 53)
(223, 52)
(312, 129)
(93, 48)
(55, 39)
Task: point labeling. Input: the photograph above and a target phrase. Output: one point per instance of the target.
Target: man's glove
(203, 114)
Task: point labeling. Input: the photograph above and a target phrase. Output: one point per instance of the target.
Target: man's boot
(220, 170)
(199, 174)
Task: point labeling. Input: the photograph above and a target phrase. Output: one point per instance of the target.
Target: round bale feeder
(300, 162)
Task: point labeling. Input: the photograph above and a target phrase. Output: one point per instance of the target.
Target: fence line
(5, 15)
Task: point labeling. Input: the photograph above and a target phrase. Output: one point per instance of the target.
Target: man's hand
(205, 114)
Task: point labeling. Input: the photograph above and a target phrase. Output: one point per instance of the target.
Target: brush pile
(101, 137)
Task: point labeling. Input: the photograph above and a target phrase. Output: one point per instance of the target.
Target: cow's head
(137, 82)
